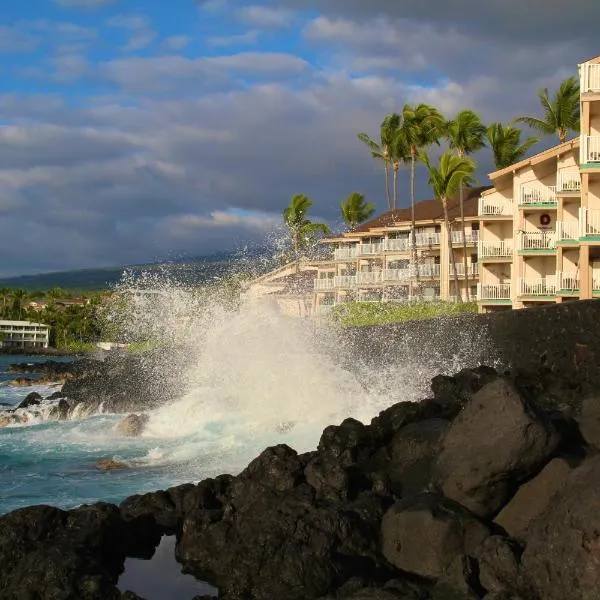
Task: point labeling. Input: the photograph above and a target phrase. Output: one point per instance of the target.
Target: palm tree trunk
(451, 253)
(413, 235)
(396, 166)
(387, 183)
(464, 244)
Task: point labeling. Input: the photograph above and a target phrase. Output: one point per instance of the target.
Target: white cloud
(176, 42)
(141, 32)
(15, 40)
(264, 17)
(240, 39)
(84, 3)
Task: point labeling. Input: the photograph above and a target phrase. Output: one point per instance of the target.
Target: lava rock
(32, 399)
(133, 425)
(109, 464)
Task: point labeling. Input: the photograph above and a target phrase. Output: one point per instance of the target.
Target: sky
(137, 130)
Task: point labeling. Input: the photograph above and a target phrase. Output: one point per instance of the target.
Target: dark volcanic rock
(496, 442)
(133, 425)
(31, 399)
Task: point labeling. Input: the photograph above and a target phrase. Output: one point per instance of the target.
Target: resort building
(540, 223)
(373, 262)
(23, 334)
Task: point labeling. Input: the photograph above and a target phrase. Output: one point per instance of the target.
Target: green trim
(594, 165)
(495, 301)
(590, 238)
(568, 242)
(540, 251)
(565, 292)
(539, 205)
(536, 297)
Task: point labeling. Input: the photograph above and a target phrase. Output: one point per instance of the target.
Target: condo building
(24, 335)
(539, 227)
(373, 262)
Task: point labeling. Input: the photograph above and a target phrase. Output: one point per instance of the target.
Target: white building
(23, 334)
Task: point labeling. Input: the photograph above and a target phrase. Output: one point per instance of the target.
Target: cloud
(213, 6)
(15, 40)
(240, 39)
(141, 32)
(264, 17)
(84, 3)
(176, 42)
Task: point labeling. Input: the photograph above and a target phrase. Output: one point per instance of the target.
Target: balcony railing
(495, 207)
(429, 270)
(590, 222)
(589, 149)
(345, 253)
(567, 230)
(396, 274)
(344, 281)
(323, 284)
(541, 286)
(495, 291)
(495, 249)
(324, 309)
(568, 180)
(369, 277)
(427, 239)
(536, 194)
(396, 245)
(370, 249)
(568, 280)
(537, 240)
(589, 78)
(471, 237)
(472, 269)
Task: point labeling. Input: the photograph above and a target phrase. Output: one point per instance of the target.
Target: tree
(561, 113)
(302, 231)
(421, 126)
(446, 179)
(18, 297)
(465, 135)
(505, 142)
(355, 210)
(5, 295)
(382, 151)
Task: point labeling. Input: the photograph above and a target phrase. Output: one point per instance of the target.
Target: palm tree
(446, 179)
(465, 135)
(399, 154)
(422, 125)
(355, 210)
(18, 296)
(381, 151)
(303, 232)
(561, 113)
(505, 142)
(5, 295)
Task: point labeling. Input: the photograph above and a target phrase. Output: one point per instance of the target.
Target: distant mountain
(188, 271)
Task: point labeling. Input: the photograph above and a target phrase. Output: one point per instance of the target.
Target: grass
(358, 314)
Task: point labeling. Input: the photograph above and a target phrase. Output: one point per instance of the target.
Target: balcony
(537, 195)
(537, 242)
(369, 277)
(590, 223)
(396, 274)
(427, 239)
(472, 269)
(324, 283)
(567, 231)
(345, 253)
(568, 281)
(344, 281)
(540, 286)
(396, 245)
(568, 181)
(471, 237)
(589, 149)
(429, 270)
(589, 78)
(496, 292)
(495, 250)
(370, 249)
(324, 309)
(495, 207)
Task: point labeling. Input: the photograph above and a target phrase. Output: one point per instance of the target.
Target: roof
(427, 210)
(537, 158)
(593, 60)
(20, 324)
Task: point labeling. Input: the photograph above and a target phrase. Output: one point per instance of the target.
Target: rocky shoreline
(488, 489)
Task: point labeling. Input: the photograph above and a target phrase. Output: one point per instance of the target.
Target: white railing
(396, 274)
(567, 230)
(589, 149)
(568, 180)
(471, 237)
(369, 277)
(344, 253)
(589, 77)
(428, 270)
(568, 281)
(536, 194)
(427, 239)
(344, 281)
(495, 249)
(323, 309)
(472, 269)
(369, 249)
(495, 207)
(537, 240)
(495, 291)
(396, 245)
(590, 222)
(324, 283)
(540, 286)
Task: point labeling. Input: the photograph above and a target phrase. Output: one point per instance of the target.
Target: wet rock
(497, 441)
(109, 464)
(498, 563)
(589, 421)
(31, 399)
(460, 387)
(23, 382)
(60, 412)
(133, 425)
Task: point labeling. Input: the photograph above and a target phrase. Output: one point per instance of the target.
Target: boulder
(533, 498)
(32, 399)
(497, 441)
(133, 425)
(22, 381)
(109, 464)
(60, 412)
(589, 421)
(498, 566)
(424, 534)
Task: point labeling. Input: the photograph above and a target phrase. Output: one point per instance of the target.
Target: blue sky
(138, 129)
